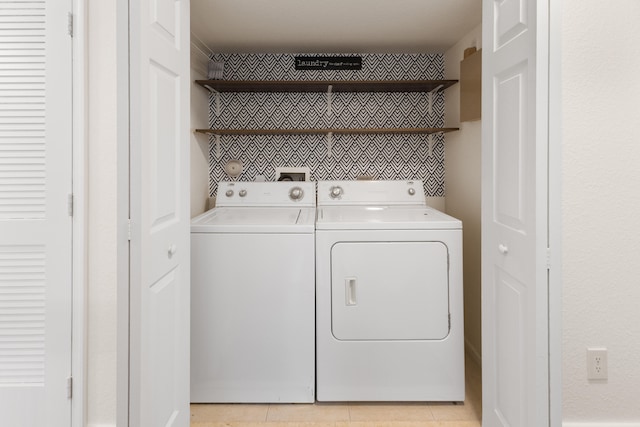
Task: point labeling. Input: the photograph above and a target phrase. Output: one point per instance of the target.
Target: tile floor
(348, 414)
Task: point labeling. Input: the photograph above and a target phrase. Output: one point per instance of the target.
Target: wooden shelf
(323, 85)
(330, 86)
(378, 131)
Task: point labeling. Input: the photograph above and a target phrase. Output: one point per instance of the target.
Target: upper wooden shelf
(323, 85)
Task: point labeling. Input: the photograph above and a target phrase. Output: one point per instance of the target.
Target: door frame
(81, 231)
(554, 194)
(123, 213)
(79, 221)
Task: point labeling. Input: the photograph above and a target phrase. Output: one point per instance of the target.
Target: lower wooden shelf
(362, 131)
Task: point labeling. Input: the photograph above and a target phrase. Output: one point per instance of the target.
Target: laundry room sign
(328, 62)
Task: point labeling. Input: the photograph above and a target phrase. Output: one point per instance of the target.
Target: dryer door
(389, 291)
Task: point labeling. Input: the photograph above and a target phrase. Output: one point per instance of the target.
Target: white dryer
(389, 307)
(252, 295)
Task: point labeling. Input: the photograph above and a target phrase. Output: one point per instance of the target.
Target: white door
(514, 213)
(35, 225)
(159, 198)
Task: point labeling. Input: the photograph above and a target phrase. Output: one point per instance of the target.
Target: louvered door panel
(22, 315)
(35, 228)
(22, 110)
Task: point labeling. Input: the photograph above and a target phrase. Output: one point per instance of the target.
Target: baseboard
(472, 352)
(600, 424)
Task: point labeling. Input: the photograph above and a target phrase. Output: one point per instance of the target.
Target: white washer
(252, 295)
(389, 309)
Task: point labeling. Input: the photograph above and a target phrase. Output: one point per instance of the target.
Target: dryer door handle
(350, 291)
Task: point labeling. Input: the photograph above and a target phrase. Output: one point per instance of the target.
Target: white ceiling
(333, 26)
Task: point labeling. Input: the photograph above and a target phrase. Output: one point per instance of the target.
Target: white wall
(601, 208)
(101, 219)
(462, 187)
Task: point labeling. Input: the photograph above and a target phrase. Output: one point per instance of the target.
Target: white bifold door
(159, 197)
(515, 339)
(35, 221)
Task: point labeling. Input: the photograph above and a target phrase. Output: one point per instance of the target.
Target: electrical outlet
(597, 363)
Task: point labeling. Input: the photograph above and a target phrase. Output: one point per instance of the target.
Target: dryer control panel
(388, 193)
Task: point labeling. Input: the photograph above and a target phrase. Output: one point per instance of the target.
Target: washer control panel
(279, 193)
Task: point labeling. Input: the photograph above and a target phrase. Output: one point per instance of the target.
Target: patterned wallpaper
(380, 156)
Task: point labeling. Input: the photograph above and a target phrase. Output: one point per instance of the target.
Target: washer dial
(296, 194)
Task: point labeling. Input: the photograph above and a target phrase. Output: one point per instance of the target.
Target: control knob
(296, 193)
(335, 192)
(229, 193)
(242, 193)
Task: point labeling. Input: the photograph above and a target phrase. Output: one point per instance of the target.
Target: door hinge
(70, 204)
(548, 259)
(129, 229)
(70, 24)
(69, 387)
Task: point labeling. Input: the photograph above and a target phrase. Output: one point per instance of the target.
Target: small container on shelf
(215, 70)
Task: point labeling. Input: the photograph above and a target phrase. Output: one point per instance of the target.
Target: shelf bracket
(329, 99)
(431, 142)
(329, 143)
(217, 95)
(430, 98)
(429, 145)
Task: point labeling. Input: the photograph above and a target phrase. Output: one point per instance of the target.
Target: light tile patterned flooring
(349, 414)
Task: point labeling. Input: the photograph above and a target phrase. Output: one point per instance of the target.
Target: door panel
(514, 219)
(390, 291)
(164, 88)
(160, 288)
(35, 226)
(163, 18)
(510, 20)
(509, 148)
(510, 295)
(164, 306)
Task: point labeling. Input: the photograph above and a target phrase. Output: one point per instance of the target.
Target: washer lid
(384, 218)
(255, 220)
